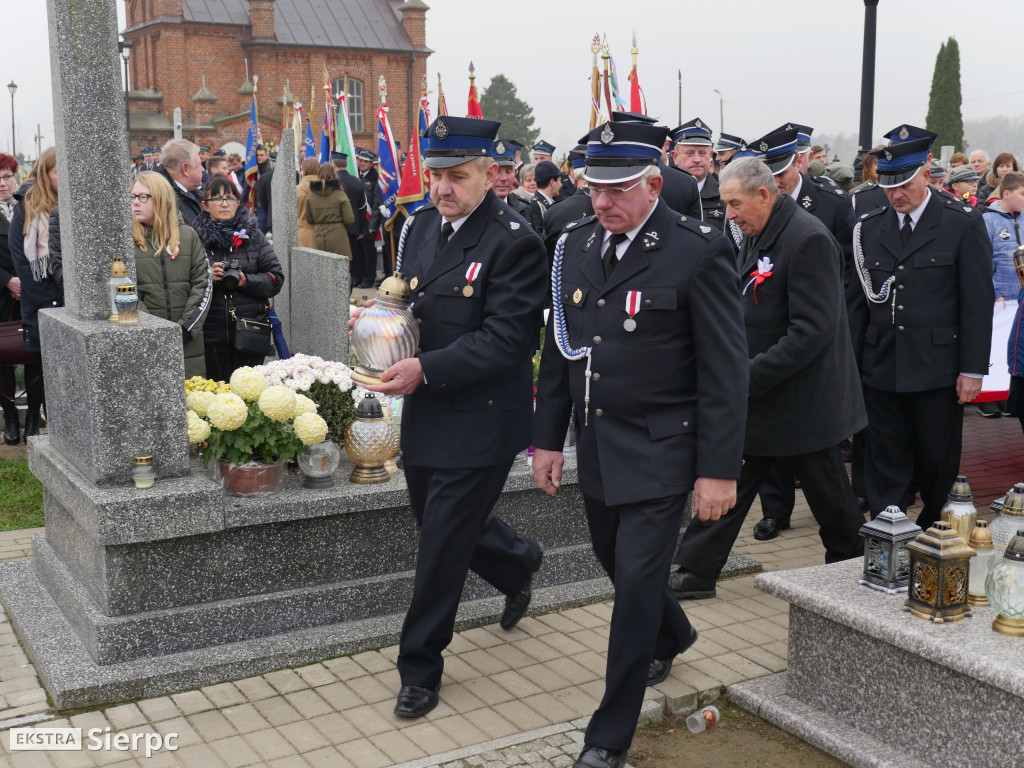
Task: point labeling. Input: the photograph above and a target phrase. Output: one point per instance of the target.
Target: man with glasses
(179, 163)
(645, 342)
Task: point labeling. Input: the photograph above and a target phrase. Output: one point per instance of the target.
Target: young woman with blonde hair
(174, 278)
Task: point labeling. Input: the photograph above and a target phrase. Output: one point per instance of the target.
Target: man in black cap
(549, 184)
(358, 229)
(870, 195)
(727, 146)
(204, 156)
(692, 153)
(571, 208)
(645, 343)
(477, 275)
(921, 318)
(262, 199)
(804, 394)
(504, 154)
(542, 151)
(368, 175)
(829, 204)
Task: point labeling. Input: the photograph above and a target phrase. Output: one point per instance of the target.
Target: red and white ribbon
(632, 302)
(473, 272)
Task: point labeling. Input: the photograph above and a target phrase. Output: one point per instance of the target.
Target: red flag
(637, 103)
(474, 103)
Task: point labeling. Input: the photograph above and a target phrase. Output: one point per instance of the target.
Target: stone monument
(284, 204)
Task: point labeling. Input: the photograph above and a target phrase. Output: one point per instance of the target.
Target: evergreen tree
(499, 102)
(944, 115)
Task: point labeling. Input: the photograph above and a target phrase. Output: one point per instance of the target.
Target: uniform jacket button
(647, 302)
(686, 423)
(420, 294)
(595, 377)
(490, 402)
(900, 267)
(901, 327)
(600, 302)
(455, 289)
(419, 320)
(599, 413)
(597, 339)
(900, 287)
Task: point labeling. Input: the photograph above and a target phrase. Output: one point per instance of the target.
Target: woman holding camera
(246, 273)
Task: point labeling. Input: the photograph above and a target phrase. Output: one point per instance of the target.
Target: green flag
(343, 141)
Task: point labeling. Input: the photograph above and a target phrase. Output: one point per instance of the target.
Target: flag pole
(595, 83)
(606, 56)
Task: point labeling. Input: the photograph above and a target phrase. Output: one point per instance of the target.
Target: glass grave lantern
(1004, 588)
(959, 510)
(1009, 517)
(369, 442)
(886, 560)
(118, 276)
(937, 586)
(386, 332)
(985, 557)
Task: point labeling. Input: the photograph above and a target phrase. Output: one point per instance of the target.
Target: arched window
(354, 89)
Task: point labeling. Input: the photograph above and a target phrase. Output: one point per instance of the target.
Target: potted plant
(252, 430)
(325, 382)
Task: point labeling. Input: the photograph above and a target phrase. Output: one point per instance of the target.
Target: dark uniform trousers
(706, 546)
(647, 622)
(904, 425)
(457, 533)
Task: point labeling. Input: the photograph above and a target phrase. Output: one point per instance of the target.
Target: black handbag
(252, 335)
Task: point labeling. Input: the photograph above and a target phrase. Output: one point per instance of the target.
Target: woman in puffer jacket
(173, 276)
(232, 239)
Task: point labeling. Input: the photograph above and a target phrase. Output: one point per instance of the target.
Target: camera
(232, 276)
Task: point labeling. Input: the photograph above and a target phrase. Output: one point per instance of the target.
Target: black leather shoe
(12, 430)
(599, 757)
(516, 605)
(690, 585)
(769, 528)
(659, 669)
(414, 701)
(31, 425)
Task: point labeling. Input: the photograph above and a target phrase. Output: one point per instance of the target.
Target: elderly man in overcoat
(805, 396)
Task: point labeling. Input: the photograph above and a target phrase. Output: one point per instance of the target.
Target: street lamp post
(125, 48)
(12, 87)
(721, 113)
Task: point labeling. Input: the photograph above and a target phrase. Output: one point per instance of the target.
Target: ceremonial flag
(473, 110)
(343, 134)
(637, 103)
(387, 173)
(310, 146)
(325, 138)
(252, 140)
(414, 191)
(297, 131)
(442, 106)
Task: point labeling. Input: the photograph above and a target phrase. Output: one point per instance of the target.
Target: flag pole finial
(472, 72)
(595, 45)
(383, 86)
(423, 87)
(634, 50)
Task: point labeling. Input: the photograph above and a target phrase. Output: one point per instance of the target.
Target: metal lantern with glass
(937, 587)
(385, 332)
(985, 556)
(318, 463)
(118, 277)
(886, 560)
(1009, 517)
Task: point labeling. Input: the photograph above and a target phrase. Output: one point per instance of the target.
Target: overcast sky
(772, 61)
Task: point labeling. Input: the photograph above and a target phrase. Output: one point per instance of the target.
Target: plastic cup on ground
(703, 719)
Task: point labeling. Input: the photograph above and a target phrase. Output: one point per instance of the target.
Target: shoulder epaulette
(959, 205)
(515, 223)
(696, 225)
(421, 209)
(825, 184)
(873, 212)
(579, 222)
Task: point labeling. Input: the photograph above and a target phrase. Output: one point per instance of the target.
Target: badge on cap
(499, 148)
(577, 297)
(698, 123)
(888, 155)
(904, 133)
(764, 146)
(607, 136)
(414, 282)
(441, 129)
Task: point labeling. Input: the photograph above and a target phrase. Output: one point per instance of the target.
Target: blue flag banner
(387, 178)
(414, 191)
(325, 148)
(310, 146)
(252, 140)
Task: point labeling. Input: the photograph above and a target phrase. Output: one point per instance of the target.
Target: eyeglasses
(614, 193)
(7, 178)
(222, 200)
(143, 198)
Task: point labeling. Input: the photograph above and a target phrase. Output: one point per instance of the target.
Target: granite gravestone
(285, 206)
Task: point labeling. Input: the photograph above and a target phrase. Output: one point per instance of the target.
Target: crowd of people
(721, 319)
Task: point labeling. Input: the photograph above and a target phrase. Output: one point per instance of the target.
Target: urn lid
(394, 287)
(1013, 505)
(144, 459)
(118, 269)
(369, 408)
(981, 537)
(891, 524)
(961, 490)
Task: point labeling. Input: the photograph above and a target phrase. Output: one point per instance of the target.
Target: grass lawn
(21, 496)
